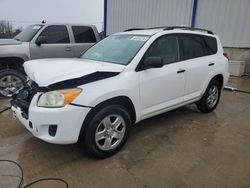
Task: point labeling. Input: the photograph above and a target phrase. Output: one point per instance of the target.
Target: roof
(65, 23)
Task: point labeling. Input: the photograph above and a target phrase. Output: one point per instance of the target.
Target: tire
(100, 139)
(14, 79)
(208, 103)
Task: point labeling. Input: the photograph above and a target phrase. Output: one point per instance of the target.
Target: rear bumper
(226, 78)
(68, 121)
(228, 75)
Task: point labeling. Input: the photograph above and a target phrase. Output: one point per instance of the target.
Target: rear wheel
(107, 132)
(10, 82)
(211, 97)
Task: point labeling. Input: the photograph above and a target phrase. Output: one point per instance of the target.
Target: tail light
(226, 55)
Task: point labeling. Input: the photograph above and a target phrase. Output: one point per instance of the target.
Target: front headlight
(58, 98)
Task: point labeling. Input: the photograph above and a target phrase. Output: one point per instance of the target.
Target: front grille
(23, 99)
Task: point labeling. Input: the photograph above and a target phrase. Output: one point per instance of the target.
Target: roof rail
(134, 29)
(188, 28)
(171, 28)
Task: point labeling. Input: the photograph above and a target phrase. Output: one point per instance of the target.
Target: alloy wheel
(213, 95)
(110, 132)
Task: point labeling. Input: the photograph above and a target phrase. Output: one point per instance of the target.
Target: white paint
(48, 71)
(152, 91)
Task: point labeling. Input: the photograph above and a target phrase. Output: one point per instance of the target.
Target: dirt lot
(181, 148)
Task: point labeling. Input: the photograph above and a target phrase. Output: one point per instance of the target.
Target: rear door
(161, 88)
(84, 37)
(57, 44)
(197, 62)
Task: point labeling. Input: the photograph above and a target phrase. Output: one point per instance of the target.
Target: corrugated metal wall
(230, 19)
(124, 14)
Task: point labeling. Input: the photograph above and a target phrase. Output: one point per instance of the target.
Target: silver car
(45, 40)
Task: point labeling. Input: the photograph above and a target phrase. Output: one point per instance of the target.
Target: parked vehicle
(123, 79)
(45, 40)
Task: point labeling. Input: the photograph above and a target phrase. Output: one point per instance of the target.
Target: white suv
(123, 79)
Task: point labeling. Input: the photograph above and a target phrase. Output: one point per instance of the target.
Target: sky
(25, 12)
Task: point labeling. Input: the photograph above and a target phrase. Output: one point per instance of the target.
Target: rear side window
(166, 47)
(83, 34)
(193, 46)
(56, 34)
(211, 45)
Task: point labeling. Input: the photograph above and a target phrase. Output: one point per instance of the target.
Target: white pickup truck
(45, 40)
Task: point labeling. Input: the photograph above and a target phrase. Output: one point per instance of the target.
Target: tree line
(7, 30)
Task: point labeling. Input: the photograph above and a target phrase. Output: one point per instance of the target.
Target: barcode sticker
(36, 27)
(140, 38)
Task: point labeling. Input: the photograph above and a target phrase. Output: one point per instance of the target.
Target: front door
(57, 44)
(162, 88)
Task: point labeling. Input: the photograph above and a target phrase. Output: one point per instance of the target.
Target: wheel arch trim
(124, 101)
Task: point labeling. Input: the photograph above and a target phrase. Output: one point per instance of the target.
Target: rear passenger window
(211, 45)
(83, 34)
(194, 46)
(56, 34)
(166, 47)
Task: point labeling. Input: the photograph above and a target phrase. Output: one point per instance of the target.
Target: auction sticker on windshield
(36, 27)
(140, 38)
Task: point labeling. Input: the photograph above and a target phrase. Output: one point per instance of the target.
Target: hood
(46, 72)
(9, 42)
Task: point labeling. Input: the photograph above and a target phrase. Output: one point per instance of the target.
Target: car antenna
(43, 22)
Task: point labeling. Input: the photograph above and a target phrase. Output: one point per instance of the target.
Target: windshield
(118, 49)
(28, 33)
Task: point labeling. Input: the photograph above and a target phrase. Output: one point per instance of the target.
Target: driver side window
(55, 34)
(166, 47)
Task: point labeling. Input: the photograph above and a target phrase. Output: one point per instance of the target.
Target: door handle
(181, 71)
(211, 64)
(68, 48)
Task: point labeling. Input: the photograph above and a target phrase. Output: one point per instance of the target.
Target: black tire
(89, 138)
(202, 104)
(14, 73)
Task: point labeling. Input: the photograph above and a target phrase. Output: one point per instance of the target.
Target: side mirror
(153, 62)
(41, 40)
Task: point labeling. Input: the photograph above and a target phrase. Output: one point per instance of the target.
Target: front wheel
(107, 132)
(10, 82)
(211, 97)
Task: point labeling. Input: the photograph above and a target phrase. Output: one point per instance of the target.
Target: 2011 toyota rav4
(121, 80)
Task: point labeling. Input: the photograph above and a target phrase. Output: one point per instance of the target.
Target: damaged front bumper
(54, 125)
